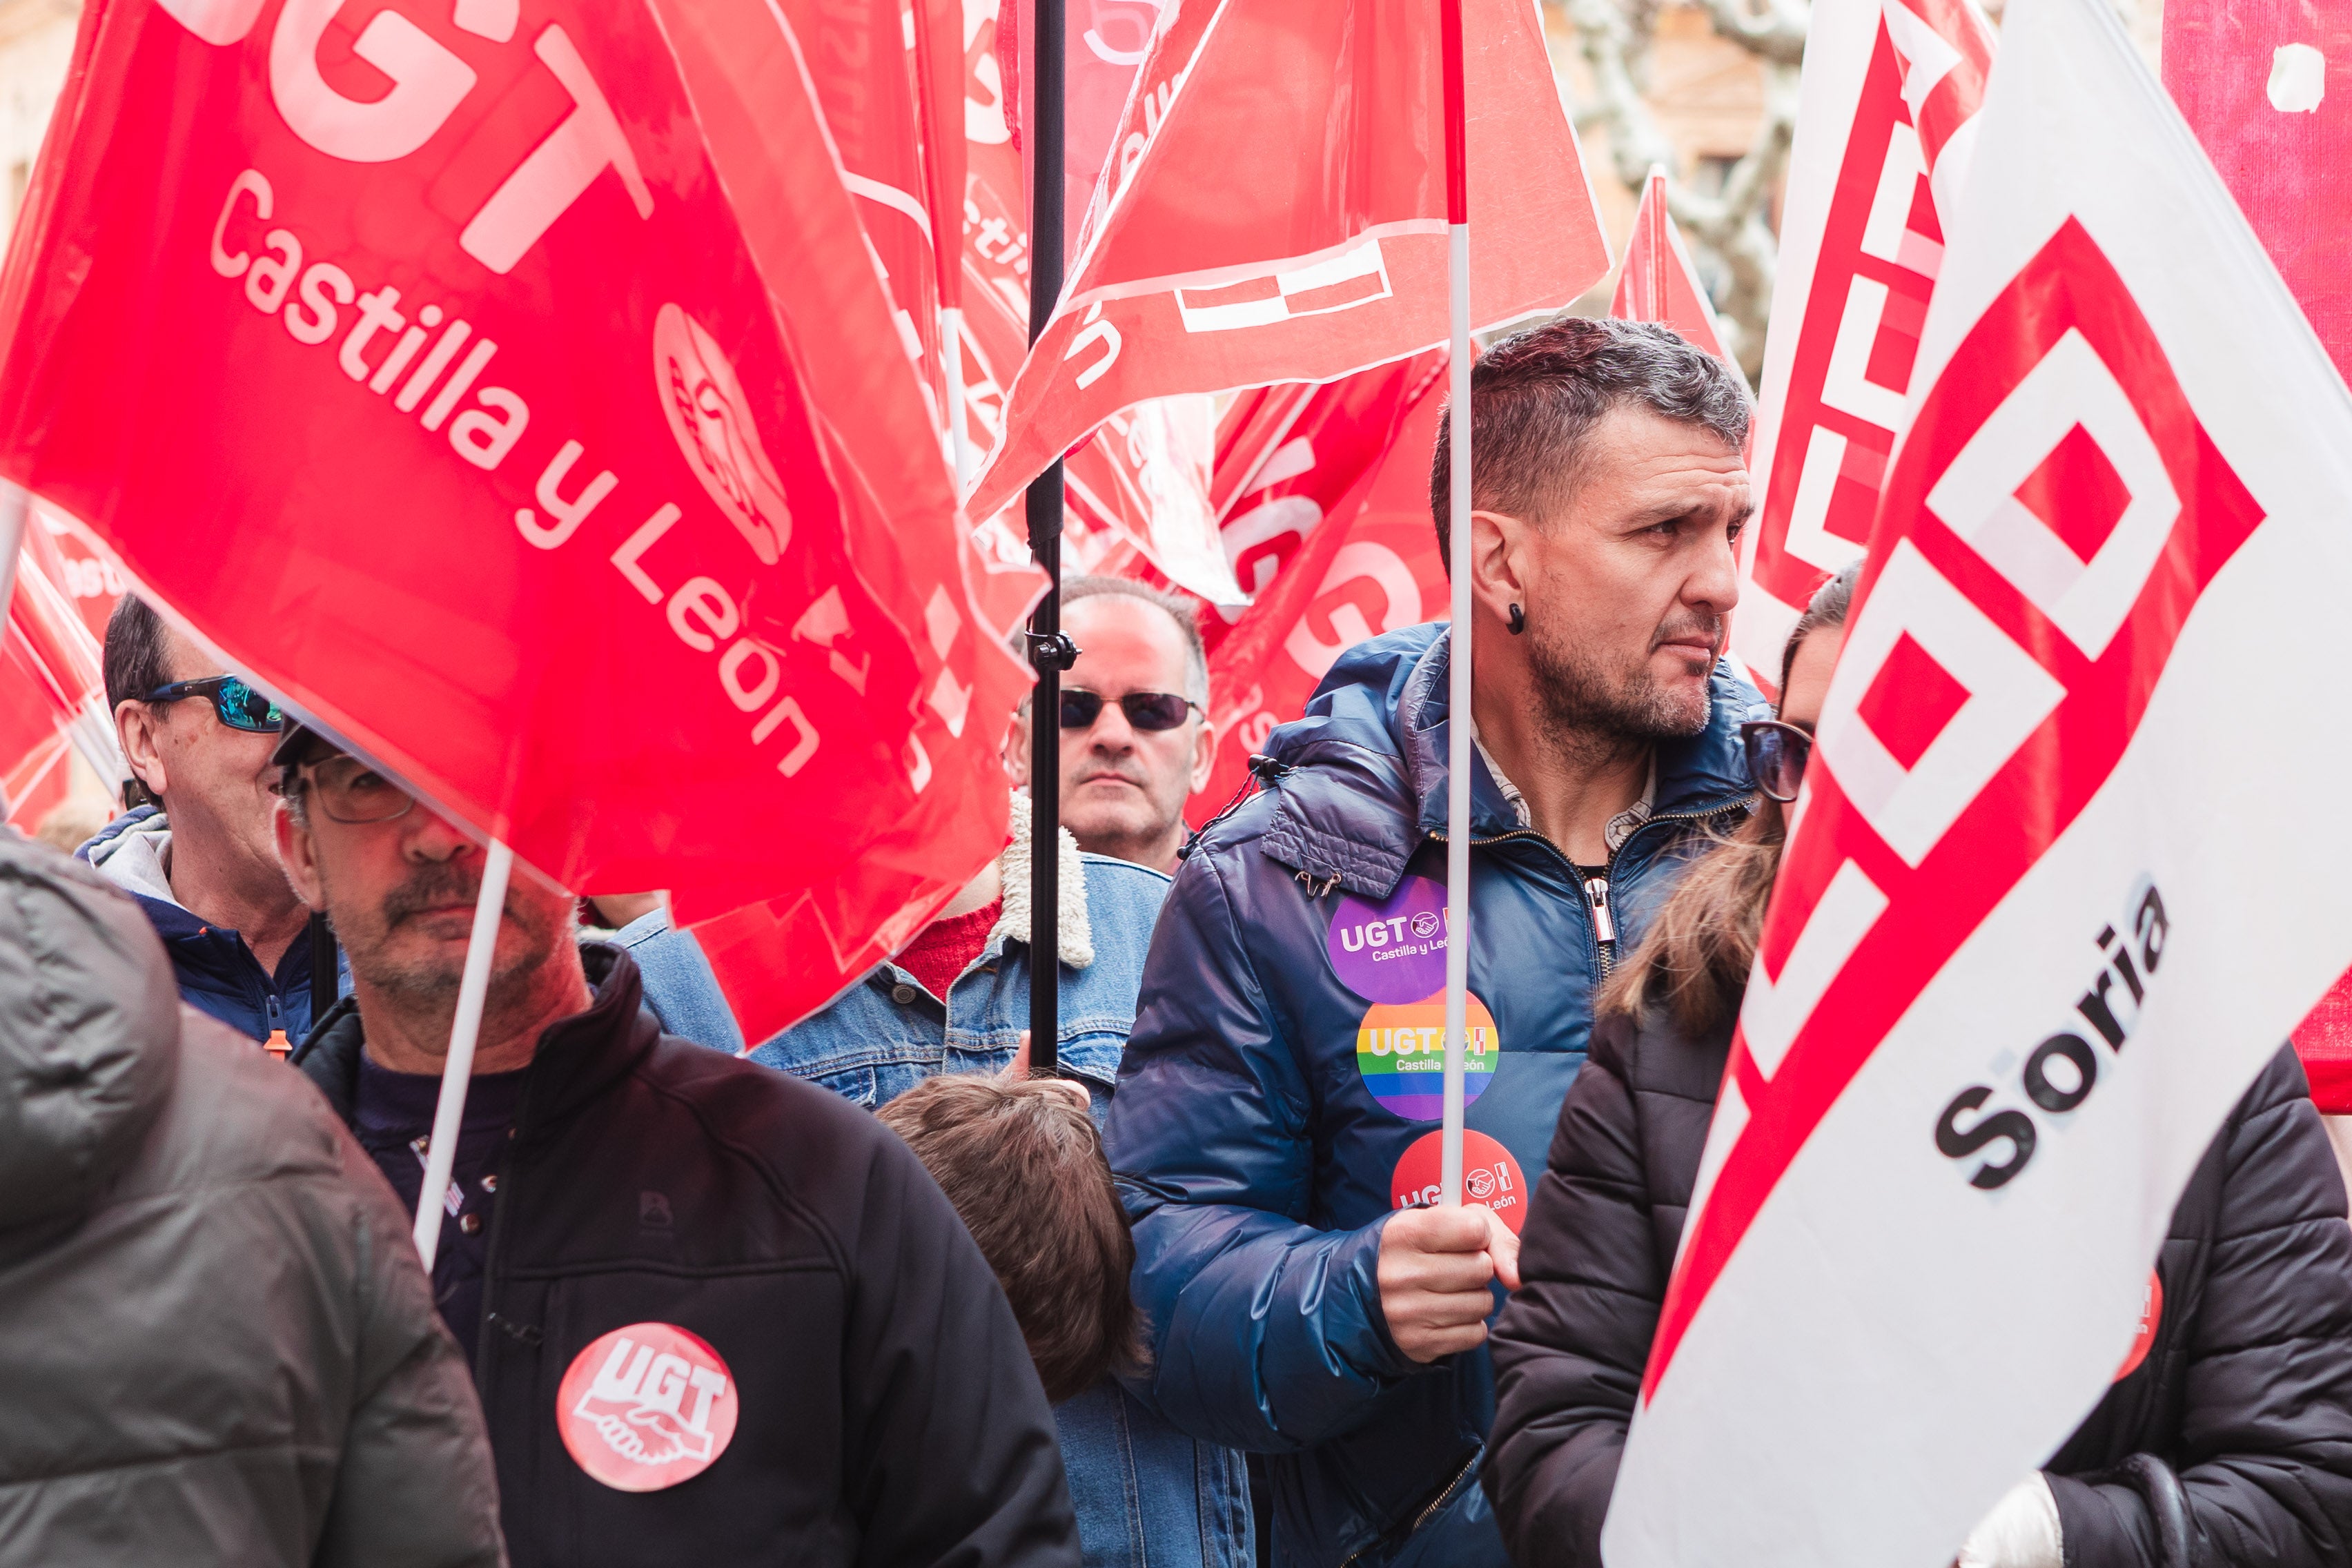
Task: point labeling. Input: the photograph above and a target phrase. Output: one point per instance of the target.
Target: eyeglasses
(349, 791)
(1144, 710)
(1776, 754)
(238, 705)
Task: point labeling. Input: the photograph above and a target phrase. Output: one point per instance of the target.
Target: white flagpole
(1457, 753)
(458, 1072)
(958, 426)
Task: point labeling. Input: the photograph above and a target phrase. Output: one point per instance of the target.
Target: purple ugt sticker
(1391, 952)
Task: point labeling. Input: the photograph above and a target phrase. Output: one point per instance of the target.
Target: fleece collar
(1076, 942)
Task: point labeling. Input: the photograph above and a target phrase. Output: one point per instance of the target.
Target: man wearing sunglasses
(845, 1381)
(1135, 738)
(199, 859)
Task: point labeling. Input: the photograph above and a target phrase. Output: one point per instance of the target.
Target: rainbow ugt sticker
(1401, 1051)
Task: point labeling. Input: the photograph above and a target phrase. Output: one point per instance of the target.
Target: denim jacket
(1145, 1493)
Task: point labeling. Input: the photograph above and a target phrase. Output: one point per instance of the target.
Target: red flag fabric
(2007, 993)
(1890, 91)
(52, 690)
(1287, 218)
(2264, 84)
(1658, 283)
(1325, 498)
(514, 391)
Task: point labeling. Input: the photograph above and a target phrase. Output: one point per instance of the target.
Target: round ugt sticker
(646, 1407)
(1490, 1177)
(1401, 1051)
(2152, 1313)
(1392, 952)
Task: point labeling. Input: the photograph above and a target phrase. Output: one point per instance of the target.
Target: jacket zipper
(1444, 1495)
(1596, 889)
(502, 1201)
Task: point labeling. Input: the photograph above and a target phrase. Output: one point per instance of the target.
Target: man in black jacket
(715, 1315)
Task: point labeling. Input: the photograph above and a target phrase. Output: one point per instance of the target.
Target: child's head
(1022, 1163)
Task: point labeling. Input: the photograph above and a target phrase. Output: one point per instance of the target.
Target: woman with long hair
(2226, 1439)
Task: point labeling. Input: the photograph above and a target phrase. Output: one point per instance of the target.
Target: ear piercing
(1519, 620)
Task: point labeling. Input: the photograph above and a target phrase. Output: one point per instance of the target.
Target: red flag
(1884, 131)
(54, 691)
(1658, 283)
(1324, 493)
(535, 425)
(1287, 218)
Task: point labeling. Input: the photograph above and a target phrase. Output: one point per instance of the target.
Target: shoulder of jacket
(1107, 876)
(236, 1115)
(815, 1144)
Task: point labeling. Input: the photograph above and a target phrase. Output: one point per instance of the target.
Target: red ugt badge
(646, 1407)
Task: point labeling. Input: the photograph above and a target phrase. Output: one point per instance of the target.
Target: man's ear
(1498, 564)
(1205, 756)
(298, 853)
(139, 727)
(1016, 750)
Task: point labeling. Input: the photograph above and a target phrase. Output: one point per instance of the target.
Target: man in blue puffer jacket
(1275, 1125)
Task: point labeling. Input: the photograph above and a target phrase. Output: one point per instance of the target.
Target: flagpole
(951, 363)
(1049, 650)
(1457, 752)
(457, 1071)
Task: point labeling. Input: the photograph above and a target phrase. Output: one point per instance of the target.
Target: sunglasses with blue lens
(1776, 754)
(233, 700)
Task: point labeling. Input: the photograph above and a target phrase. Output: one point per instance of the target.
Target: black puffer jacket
(886, 1409)
(2245, 1396)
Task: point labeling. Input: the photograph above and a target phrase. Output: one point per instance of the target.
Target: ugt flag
(511, 385)
(2042, 922)
(1658, 283)
(1885, 127)
(1285, 217)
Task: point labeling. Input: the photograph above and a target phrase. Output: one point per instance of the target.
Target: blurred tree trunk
(1730, 228)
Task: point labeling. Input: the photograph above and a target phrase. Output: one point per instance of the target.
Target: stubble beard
(1593, 711)
(427, 984)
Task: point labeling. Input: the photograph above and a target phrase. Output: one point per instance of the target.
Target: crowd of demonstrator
(866, 1292)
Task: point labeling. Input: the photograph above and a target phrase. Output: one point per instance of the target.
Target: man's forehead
(1122, 629)
(1641, 457)
(185, 660)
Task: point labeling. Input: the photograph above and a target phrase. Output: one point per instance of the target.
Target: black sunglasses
(1144, 710)
(233, 700)
(1776, 754)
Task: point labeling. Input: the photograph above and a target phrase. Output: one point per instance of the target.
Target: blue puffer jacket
(218, 972)
(1259, 1161)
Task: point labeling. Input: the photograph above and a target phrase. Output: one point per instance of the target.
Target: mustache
(1706, 627)
(431, 887)
(1125, 768)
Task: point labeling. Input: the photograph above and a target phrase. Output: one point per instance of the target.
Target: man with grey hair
(1277, 1122)
(1136, 737)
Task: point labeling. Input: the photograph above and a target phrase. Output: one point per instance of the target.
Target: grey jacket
(220, 1348)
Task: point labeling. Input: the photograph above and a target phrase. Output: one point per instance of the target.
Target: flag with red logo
(1884, 131)
(1228, 255)
(2007, 991)
(1657, 282)
(513, 388)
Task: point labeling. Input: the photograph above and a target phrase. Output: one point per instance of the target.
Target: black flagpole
(1049, 650)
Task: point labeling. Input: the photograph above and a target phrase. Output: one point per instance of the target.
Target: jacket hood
(128, 852)
(89, 1037)
(1364, 778)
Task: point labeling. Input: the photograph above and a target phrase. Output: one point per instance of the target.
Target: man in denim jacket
(1144, 1492)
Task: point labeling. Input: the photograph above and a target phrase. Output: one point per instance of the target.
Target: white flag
(2042, 920)
(1886, 121)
